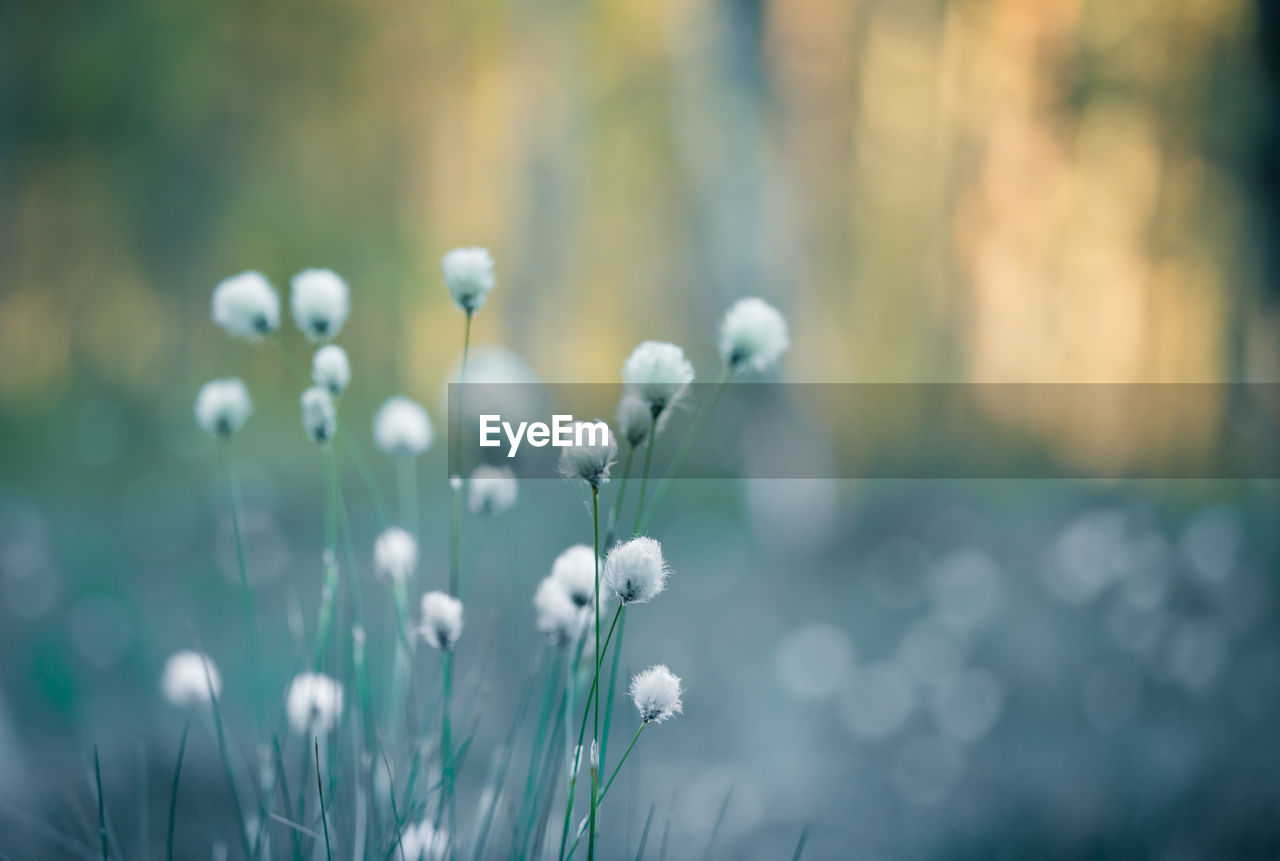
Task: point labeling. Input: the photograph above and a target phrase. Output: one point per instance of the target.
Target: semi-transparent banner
(790, 430)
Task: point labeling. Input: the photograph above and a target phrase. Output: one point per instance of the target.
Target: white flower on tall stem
(313, 704)
(591, 460)
(753, 334)
(441, 620)
(222, 407)
(423, 842)
(635, 418)
(656, 693)
(491, 490)
(320, 302)
(246, 305)
(395, 554)
(401, 427)
(659, 373)
(575, 571)
(555, 613)
(635, 571)
(331, 368)
(190, 679)
(468, 273)
(319, 418)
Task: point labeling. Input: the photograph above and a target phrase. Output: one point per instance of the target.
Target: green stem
(173, 792)
(330, 588)
(613, 678)
(612, 528)
(446, 741)
(102, 806)
(455, 457)
(531, 781)
(595, 528)
(644, 477)
(246, 594)
(324, 815)
(609, 783)
(686, 445)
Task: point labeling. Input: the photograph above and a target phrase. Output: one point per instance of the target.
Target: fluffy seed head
(395, 554)
(401, 427)
(753, 335)
(423, 842)
(556, 614)
(468, 273)
(659, 373)
(635, 570)
(313, 704)
(491, 489)
(575, 571)
(190, 679)
(320, 302)
(656, 693)
(441, 620)
(634, 418)
(589, 462)
(246, 305)
(331, 368)
(319, 418)
(222, 407)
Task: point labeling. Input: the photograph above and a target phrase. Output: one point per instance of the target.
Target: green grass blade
(173, 791)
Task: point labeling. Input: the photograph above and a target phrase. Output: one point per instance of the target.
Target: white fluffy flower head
(659, 373)
(190, 679)
(246, 305)
(441, 620)
(401, 427)
(423, 842)
(491, 490)
(222, 407)
(468, 273)
(556, 615)
(635, 417)
(319, 418)
(313, 704)
(635, 570)
(331, 368)
(656, 693)
(575, 571)
(320, 302)
(591, 460)
(395, 554)
(753, 335)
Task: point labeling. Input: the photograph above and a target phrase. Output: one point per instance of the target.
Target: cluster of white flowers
(441, 620)
(395, 554)
(402, 428)
(190, 679)
(656, 693)
(222, 407)
(319, 416)
(491, 490)
(313, 704)
(635, 571)
(589, 462)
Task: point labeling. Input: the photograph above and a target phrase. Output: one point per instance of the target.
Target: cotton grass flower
(575, 571)
(319, 418)
(441, 620)
(635, 571)
(589, 462)
(656, 693)
(491, 490)
(313, 704)
(423, 842)
(635, 418)
(246, 305)
(468, 273)
(753, 334)
(395, 554)
(555, 613)
(331, 368)
(659, 373)
(320, 302)
(402, 428)
(222, 407)
(190, 679)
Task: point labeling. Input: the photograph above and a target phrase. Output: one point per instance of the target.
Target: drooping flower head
(222, 407)
(491, 490)
(753, 335)
(592, 454)
(635, 570)
(423, 842)
(555, 613)
(401, 427)
(319, 418)
(395, 554)
(246, 305)
(575, 571)
(441, 620)
(659, 373)
(656, 693)
(320, 302)
(468, 273)
(313, 704)
(331, 368)
(190, 679)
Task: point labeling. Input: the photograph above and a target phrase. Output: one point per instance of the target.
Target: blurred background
(943, 191)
